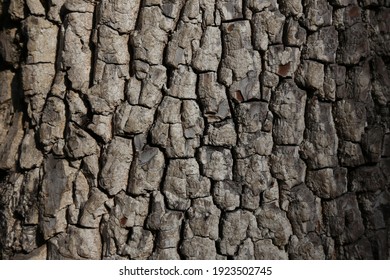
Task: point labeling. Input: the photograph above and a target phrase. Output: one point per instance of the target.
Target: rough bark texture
(199, 129)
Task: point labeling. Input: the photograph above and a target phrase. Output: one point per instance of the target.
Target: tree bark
(200, 129)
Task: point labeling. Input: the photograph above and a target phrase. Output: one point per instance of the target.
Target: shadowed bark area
(199, 129)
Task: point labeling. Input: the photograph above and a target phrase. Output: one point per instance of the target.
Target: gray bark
(200, 129)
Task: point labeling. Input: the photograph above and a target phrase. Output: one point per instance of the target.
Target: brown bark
(200, 129)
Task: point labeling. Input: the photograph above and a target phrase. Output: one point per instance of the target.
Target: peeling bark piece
(320, 144)
(327, 183)
(217, 163)
(322, 45)
(76, 243)
(198, 248)
(282, 60)
(117, 159)
(183, 181)
(146, 171)
(265, 250)
(273, 224)
(343, 219)
(208, 55)
(120, 15)
(213, 97)
(288, 105)
(287, 166)
(227, 195)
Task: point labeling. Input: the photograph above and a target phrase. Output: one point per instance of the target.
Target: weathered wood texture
(199, 129)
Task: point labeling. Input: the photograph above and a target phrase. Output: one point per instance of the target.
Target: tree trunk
(199, 129)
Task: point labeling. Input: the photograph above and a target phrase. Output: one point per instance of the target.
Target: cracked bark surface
(199, 129)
